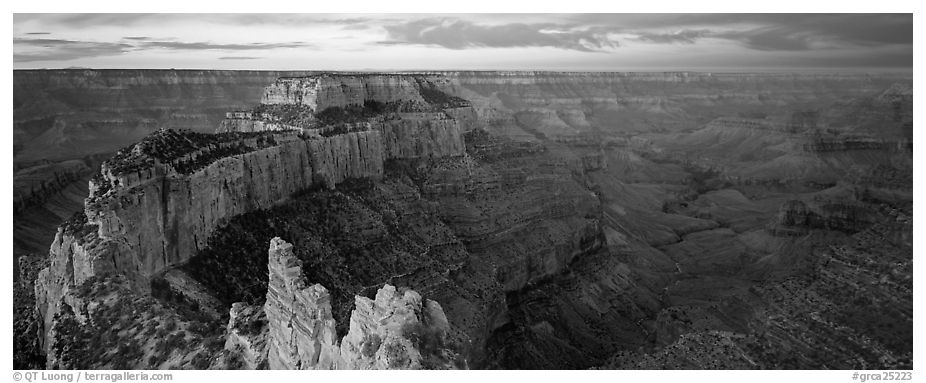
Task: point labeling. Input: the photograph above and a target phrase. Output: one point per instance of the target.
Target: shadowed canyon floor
(557, 220)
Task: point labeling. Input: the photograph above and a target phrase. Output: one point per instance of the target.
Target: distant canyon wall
(67, 114)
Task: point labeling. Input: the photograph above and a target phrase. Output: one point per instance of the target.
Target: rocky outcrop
(301, 328)
(74, 257)
(396, 330)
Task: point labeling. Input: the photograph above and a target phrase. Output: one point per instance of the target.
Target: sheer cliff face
(155, 218)
(353, 155)
(163, 216)
(322, 92)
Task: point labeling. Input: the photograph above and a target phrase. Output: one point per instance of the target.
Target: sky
(559, 42)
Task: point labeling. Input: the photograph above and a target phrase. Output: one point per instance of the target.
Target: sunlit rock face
(395, 330)
(398, 329)
(322, 92)
(301, 328)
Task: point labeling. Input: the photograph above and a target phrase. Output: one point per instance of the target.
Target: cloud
(95, 20)
(460, 34)
(773, 39)
(180, 45)
(38, 33)
(686, 36)
(356, 27)
(765, 32)
(297, 19)
(768, 32)
(45, 49)
(42, 49)
(240, 58)
(811, 31)
(81, 20)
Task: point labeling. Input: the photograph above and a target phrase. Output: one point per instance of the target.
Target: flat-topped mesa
(163, 196)
(173, 153)
(324, 91)
(322, 102)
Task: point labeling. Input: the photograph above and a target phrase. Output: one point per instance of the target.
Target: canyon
(499, 219)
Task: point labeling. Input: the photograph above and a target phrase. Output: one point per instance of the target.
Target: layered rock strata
(414, 114)
(319, 92)
(796, 217)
